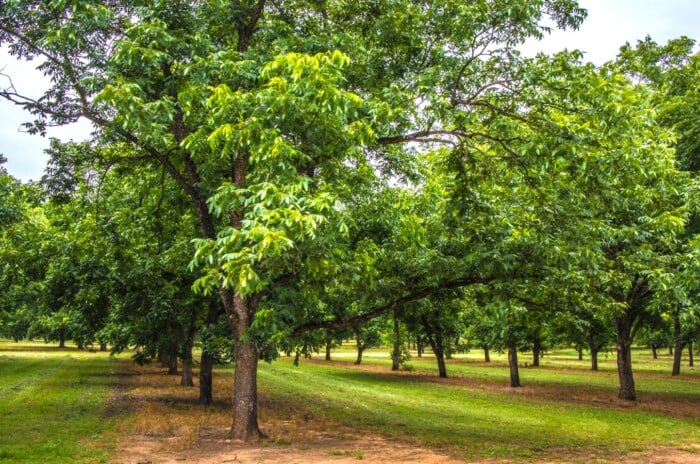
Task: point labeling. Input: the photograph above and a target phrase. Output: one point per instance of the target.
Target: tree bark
(245, 386)
(654, 352)
(172, 364)
(360, 346)
(187, 379)
(207, 359)
(419, 348)
(329, 341)
(594, 358)
(678, 352)
(624, 359)
(442, 367)
(61, 340)
(103, 347)
(438, 347)
(487, 354)
(513, 365)
(691, 362)
(579, 350)
(206, 377)
(536, 351)
(396, 352)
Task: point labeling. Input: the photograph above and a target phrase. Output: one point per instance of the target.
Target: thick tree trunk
(172, 364)
(245, 386)
(206, 378)
(676, 369)
(396, 352)
(329, 342)
(580, 353)
(487, 354)
(419, 348)
(654, 352)
(103, 347)
(187, 379)
(536, 351)
(670, 351)
(513, 365)
(61, 340)
(624, 359)
(245, 392)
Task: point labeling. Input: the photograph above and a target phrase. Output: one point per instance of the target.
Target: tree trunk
(360, 346)
(245, 392)
(329, 341)
(436, 343)
(513, 365)
(419, 348)
(207, 360)
(654, 352)
(245, 378)
(676, 369)
(61, 340)
(172, 364)
(103, 347)
(206, 377)
(187, 379)
(536, 351)
(487, 355)
(594, 358)
(670, 351)
(580, 353)
(624, 359)
(358, 360)
(691, 362)
(396, 352)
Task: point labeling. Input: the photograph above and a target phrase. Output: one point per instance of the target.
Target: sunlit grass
(652, 376)
(52, 404)
(477, 415)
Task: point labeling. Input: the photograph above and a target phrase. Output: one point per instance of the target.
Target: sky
(609, 25)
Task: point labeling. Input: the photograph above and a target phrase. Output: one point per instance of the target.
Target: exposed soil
(161, 422)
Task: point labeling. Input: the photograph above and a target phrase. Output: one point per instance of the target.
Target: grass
(478, 416)
(52, 404)
(53, 407)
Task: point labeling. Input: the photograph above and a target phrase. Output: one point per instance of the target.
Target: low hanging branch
(388, 307)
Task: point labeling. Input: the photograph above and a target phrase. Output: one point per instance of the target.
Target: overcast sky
(610, 24)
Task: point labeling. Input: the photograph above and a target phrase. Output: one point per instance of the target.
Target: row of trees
(265, 174)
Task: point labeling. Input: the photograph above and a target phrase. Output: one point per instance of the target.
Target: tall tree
(249, 104)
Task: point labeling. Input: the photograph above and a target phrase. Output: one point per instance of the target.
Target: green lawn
(472, 419)
(52, 404)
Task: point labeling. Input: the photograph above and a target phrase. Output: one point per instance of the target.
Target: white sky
(610, 24)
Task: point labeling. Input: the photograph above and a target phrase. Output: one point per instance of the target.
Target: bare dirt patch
(161, 422)
(164, 424)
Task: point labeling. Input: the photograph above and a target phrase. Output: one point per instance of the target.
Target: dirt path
(162, 423)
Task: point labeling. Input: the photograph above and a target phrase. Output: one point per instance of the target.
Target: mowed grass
(52, 404)
(476, 414)
(560, 368)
